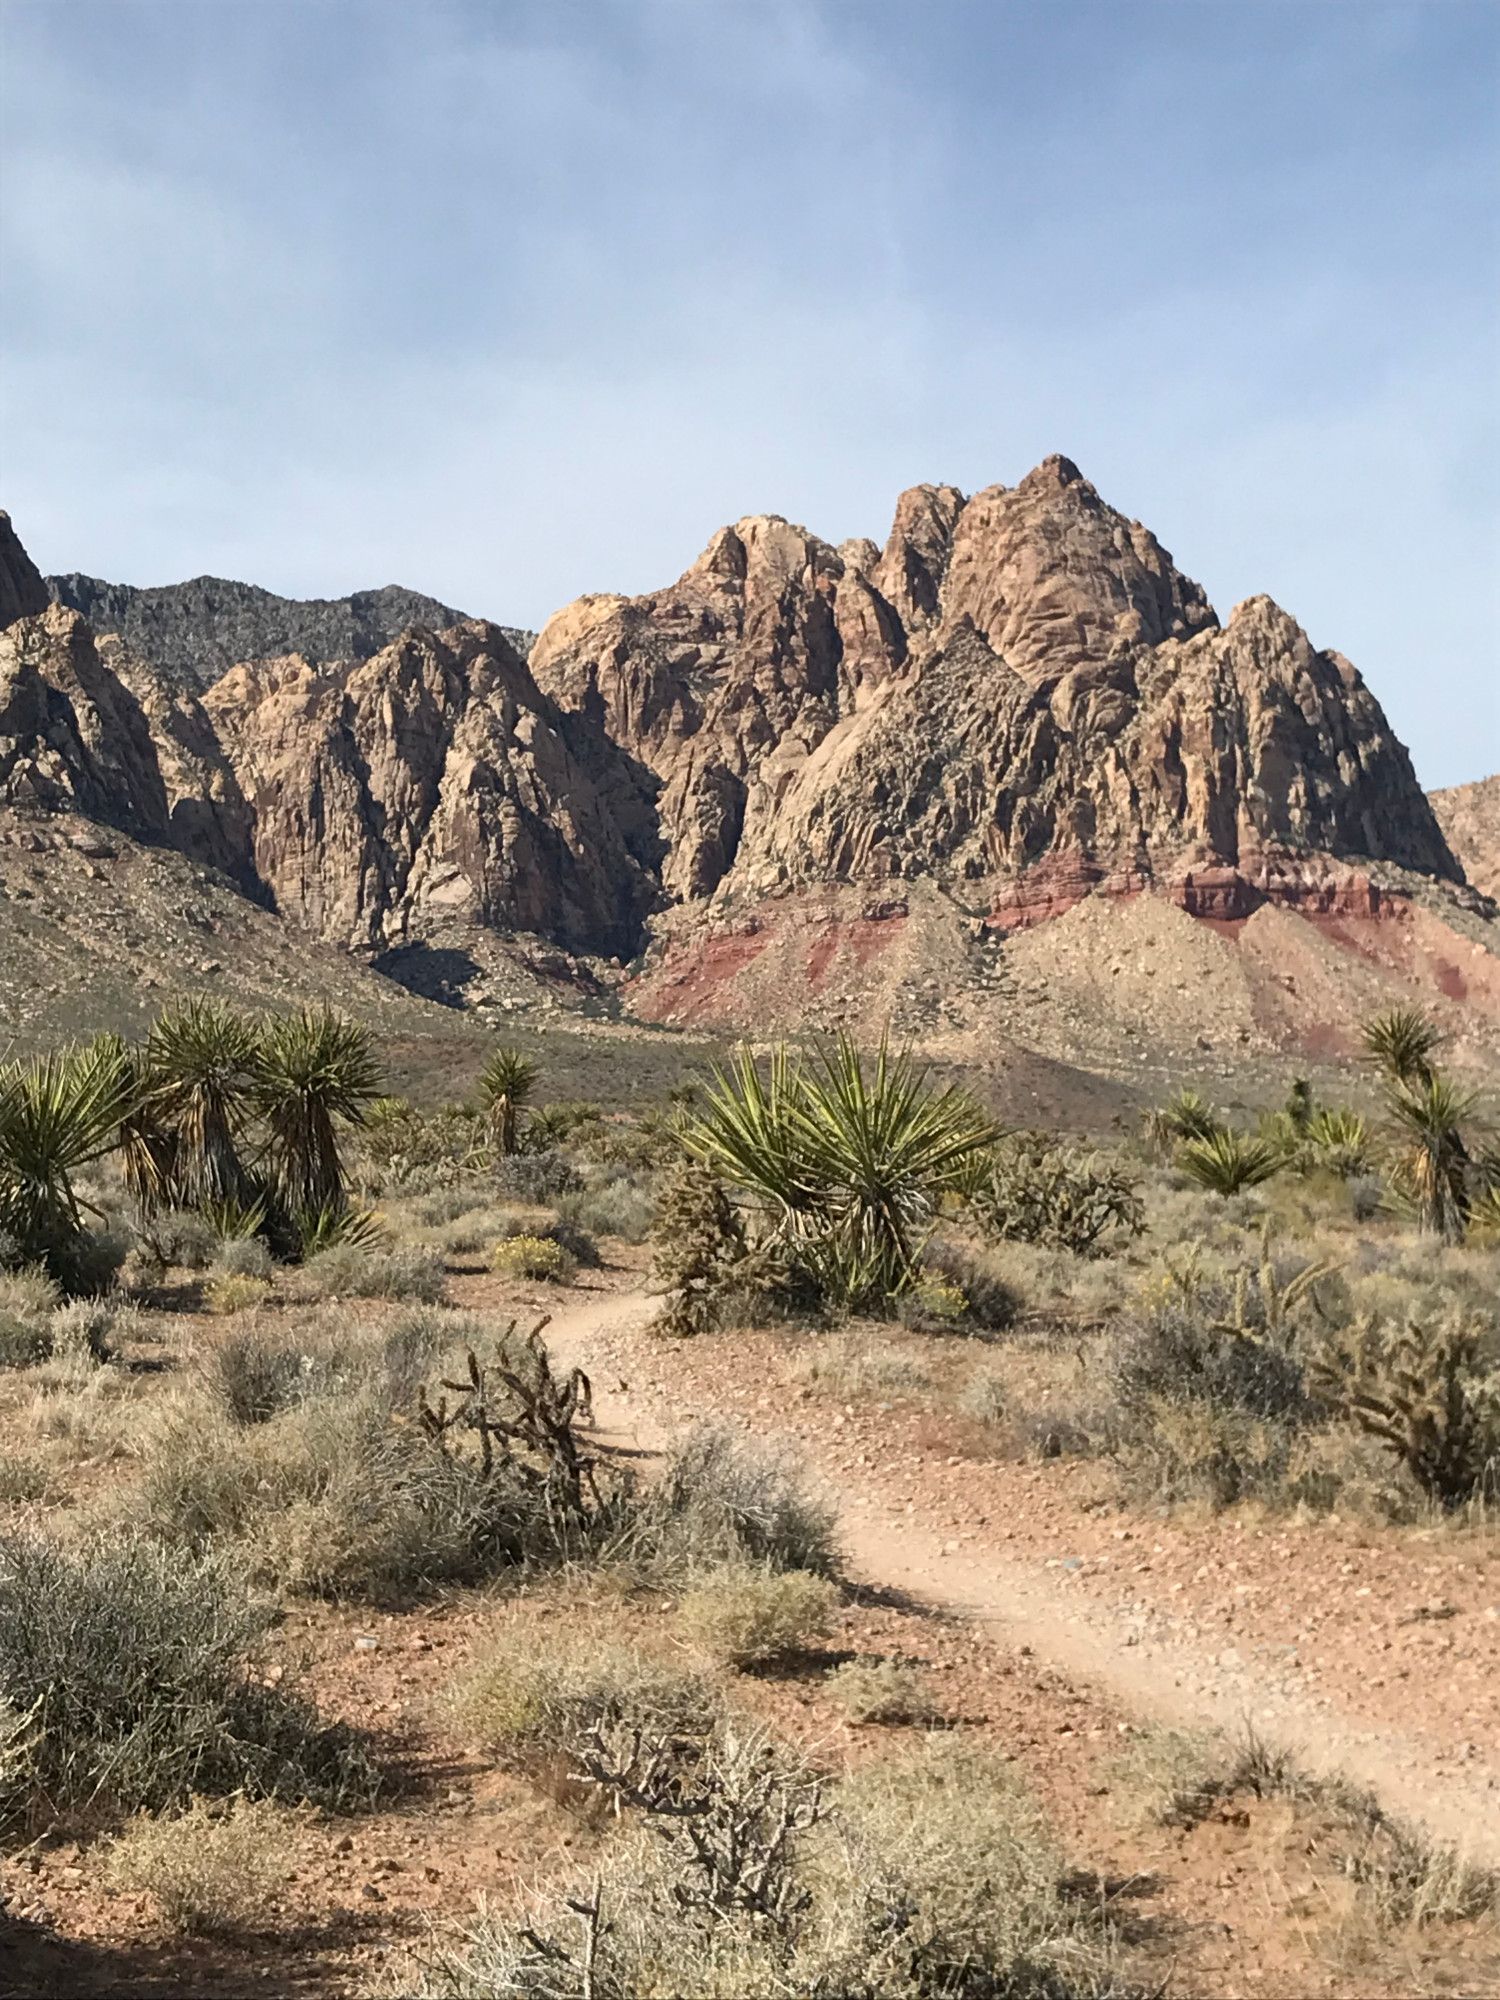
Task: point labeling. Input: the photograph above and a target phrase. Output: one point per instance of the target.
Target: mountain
(1470, 818)
(194, 632)
(1007, 775)
(1020, 696)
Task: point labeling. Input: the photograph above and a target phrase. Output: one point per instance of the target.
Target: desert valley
(790, 1290)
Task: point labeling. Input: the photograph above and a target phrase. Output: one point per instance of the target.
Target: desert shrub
(881, 1691)
(991, 1302)
(961, 1885)
(985, 1396)
(349, 1271)
(1429, 1394)
(255, 1373)
(181, 1238)
(537, 1257)
(744, 1615)
(568, 1230)
(210, 1870)
(28, 1293)
(331, 1498)
(536, 1177)
(1034, 1191)
(81, 1334)
(722, 1498)
(23, 1341)
(1187, 1115)
(139, 1664)
(84, 1330)
(618, 1207)
(1211, 1382)
(229, 1293)
(530, 1700)
(925, 1875)
(244, 1257)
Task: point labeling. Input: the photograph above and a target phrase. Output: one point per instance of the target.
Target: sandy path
(646, 1393)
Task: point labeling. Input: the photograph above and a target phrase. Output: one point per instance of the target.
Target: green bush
(536, 1257)
(844, 1160)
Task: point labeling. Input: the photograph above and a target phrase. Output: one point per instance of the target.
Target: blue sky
(512, 301)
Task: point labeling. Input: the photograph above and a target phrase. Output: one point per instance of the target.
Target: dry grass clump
(862, 1361)
(881, 1691)
(211, 1870)
(931, 1874)
(1402, 1880)
(231, 1292)
(24, 1478)
(722, 1498)
(531, 1699)
(537, 1257)
(360, 1271)
(328, 1471)
(138, 1665)
(244, 1257)
(744, 1615)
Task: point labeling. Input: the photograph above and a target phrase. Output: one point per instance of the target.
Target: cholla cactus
(1426, 1395)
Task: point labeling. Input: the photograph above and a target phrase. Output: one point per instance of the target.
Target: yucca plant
(58, 1114)
(505, 1086)
(1402, 1044)
(1430, 1158)
(202, 1062)
(1226, 1162)
(337, 1227)
(146, 1146)
(1337, 1140)
(315, 1071)
(1187, 1115)
(846, 1159)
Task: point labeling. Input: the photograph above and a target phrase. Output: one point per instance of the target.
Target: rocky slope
(194, 632)
(1470, 818)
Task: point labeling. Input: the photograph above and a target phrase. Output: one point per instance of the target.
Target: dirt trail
(645, 1395)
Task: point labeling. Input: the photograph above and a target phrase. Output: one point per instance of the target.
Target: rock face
(1470, 818)
(1020, 691)
(1019, 698)
(22, 591)
(434, 778)
(194, 632)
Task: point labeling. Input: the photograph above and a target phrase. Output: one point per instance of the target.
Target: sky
(510, 301)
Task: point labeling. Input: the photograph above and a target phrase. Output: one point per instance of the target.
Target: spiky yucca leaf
(1225, 1162)
(58, 1113)
(1402, 1043)
(316, 1069)
(202, 1060)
